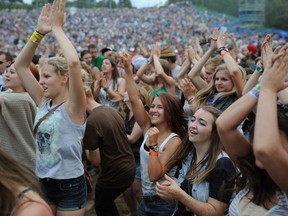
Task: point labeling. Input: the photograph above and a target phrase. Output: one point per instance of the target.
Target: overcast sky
(136, 3)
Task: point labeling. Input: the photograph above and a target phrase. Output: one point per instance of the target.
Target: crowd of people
(120, 29)
(192, 121)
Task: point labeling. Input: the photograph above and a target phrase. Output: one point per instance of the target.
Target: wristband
(153, 153)
(222, 49)
(259, 69)
(36, 37)
(255, 91)
(190, 99)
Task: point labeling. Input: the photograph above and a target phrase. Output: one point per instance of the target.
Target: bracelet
(220, 49)
(36, 37)
(224, 53)
(105, 89)
(149, 60)
(40, 33)
(259, 69)
(190, 99)
(255, 91)
(153, 153)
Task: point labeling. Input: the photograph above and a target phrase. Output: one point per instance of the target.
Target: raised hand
(103, 81)
(213, 39)
(222, 38)
(191, 53)
(156, 51)
(126, 60)
(58, 13)
(275, 75)
(266, 50)
(44, 20)
(186, 86)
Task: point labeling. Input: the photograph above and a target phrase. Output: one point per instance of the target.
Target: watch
(154, 148)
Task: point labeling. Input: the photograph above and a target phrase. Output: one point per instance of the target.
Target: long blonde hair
(210, 90)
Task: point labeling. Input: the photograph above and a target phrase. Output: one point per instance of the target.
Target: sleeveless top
(104, 97)
(281, 208)
(148, 187)
(59, 148)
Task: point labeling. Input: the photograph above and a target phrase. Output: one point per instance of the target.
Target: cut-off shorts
(66, 194)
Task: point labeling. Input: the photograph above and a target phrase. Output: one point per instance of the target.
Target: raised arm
(189, 62)
(195, 72)
(139, 112)
(135, 134)
(76, 105)
(271, 138)
(232, 66)
(266, 50)
(24, 58)
(149, 79)
(233, 140)
(171, 84)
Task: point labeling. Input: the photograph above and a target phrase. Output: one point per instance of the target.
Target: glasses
(1, 62)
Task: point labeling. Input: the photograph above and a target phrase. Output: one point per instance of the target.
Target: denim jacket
(200, 191)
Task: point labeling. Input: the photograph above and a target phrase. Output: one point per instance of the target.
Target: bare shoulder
(173, 143)
(33, 208)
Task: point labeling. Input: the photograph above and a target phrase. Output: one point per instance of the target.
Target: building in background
(252, 11)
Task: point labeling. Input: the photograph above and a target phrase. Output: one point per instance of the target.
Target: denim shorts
(155, 208)
(66, 194)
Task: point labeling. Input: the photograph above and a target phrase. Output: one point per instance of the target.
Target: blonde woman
(59, 134)
(227, 82)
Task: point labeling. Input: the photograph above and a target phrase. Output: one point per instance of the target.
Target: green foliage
(276, 11)
(277, 14)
